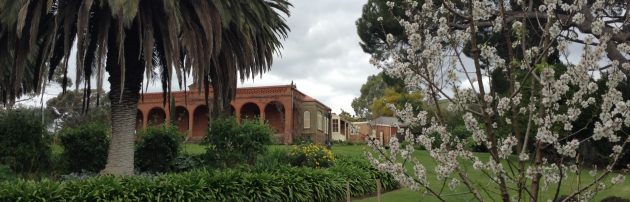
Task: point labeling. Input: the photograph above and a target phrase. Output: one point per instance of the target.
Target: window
(335, 125)
(319, 121)
(307, 119)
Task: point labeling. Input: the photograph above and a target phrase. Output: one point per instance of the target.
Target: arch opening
(157, 116)
(180, 119)
(200, 122)
(250, 111)
(275, 116)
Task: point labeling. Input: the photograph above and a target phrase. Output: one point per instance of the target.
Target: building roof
(384, 120)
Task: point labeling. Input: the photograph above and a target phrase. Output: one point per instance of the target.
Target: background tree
(344, 115)
(70, 110)
(376, 21)
(215, 42)
(382, 105)
(374, 89)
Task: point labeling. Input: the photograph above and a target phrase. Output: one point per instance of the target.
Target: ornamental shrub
(157, 148)
(284, 184)
(230, 143)
(274, 159)
(187, 162)
(85, 147)
(24, 143)
(311, 155)
(6, 173)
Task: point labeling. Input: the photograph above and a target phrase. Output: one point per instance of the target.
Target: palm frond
(214, 41)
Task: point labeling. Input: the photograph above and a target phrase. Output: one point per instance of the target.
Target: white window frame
(319, 121)
(307, 119)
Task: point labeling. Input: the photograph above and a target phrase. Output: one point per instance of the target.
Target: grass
(460, 193)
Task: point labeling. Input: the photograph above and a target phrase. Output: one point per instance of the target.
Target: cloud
(322, 53)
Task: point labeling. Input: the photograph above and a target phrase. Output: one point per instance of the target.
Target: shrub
(6, 173)
(158, 148)
(85, 148)
(187, 162)
(272, 160)
(311, 155)
(24, 143)
(230, 143)
(285, 184)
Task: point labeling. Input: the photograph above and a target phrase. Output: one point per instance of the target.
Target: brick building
(293, 115)
(381, 129)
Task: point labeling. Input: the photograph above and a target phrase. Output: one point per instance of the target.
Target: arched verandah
(200, 122)
(180, 118)
(157, 116)
(275, 115)
(250, 111)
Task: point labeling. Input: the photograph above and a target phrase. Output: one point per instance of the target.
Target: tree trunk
(120, 159)
(224, 84)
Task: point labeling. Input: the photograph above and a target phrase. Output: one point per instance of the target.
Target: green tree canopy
(385, 90)
(380, 106)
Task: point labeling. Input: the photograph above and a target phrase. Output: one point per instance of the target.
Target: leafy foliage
(85, 147)
(385, 90)
(312, 155)
(158, 148)
(6, 173)
(282, 184)
(187, 162)
(24, 143)
(380, 106)
(230, 143)
(71, 110)
(273, 159)
(373, 32)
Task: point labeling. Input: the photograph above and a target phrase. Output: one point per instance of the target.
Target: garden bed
(280, 184)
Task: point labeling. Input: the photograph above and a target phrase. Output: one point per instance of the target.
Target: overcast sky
(321, 55)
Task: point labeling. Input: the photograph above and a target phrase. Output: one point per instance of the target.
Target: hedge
(282, 184)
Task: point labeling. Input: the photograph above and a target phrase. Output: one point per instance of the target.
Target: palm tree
(137, 41)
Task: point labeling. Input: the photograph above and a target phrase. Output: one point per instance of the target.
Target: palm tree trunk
(120, 159)
(121, 149)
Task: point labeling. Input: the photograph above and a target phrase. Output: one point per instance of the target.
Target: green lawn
(460, 193)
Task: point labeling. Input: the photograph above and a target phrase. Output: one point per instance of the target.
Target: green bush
(361, 175)
(187, 162)
(230, 143)
(6, 173)
(24, 143)
(283, 184)
(311, 155)
(85, 148)
(157, 148)
(273, 159)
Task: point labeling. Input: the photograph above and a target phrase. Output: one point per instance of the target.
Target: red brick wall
(365, 131)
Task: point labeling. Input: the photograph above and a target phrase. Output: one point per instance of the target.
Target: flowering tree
(550, 54)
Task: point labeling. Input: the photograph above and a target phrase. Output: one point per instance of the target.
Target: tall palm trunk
(120, 159)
